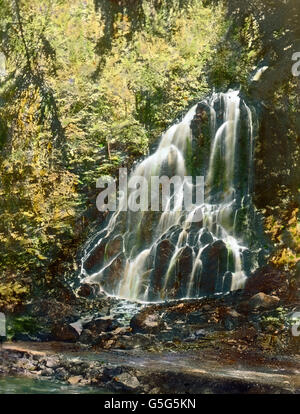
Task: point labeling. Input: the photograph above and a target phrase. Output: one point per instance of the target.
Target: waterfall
(158, 255)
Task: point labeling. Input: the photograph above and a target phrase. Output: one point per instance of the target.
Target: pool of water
(18, 385)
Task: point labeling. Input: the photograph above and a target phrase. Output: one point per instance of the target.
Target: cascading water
(154, 256)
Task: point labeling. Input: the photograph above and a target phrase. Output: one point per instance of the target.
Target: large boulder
(87, 290)
(261, 301)
(145, 322)
(99, 325)
(267, 280)
(64, 332)
(126, 382)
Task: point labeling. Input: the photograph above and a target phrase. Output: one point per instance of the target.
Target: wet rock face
(227, 281)
(113, 273)
(164, 252)
(135, 257)
(87, 290)
(185, 267)
(114, 247)
(201, 128)
(95, 260)
(206, 237)
(214, 260)
(178, 280)
(207, 280)
(162, 256)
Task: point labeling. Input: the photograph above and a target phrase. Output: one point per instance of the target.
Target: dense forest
(90, 86)
(87, 87)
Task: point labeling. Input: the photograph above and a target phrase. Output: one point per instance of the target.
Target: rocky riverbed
(142, 372)
(241, 342)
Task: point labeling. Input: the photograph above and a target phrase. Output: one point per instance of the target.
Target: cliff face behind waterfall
(90, 86)
(207, 247)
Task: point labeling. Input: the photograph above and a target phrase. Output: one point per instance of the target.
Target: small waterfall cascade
(152, 256)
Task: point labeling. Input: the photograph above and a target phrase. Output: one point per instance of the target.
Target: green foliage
(281, 320)
(285, 233)
(38, 197)
(237, 55)
(277, 320)
(21, 325)
(70, 114)
(12, 294)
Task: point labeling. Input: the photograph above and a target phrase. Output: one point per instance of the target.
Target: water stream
(151, 256)
(22, 385)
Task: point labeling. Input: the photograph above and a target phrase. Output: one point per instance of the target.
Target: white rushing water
(154, 256)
